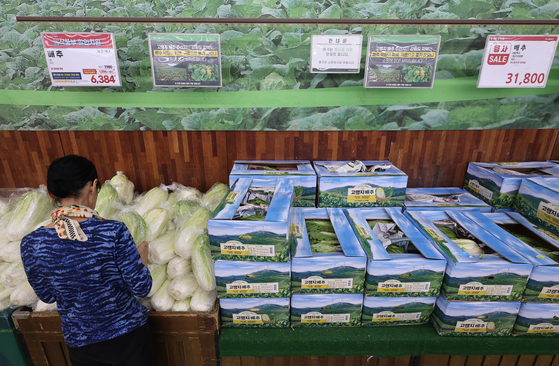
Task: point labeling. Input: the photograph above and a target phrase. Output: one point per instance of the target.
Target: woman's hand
(143, 250)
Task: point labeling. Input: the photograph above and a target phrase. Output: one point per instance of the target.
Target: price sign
(336, 54)
(517, 61)
(81, 59)
(185, 60)
(401, 61)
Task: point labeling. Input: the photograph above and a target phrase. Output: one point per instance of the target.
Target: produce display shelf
(393, 341)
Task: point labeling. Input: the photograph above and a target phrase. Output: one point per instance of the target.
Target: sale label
(81, 59)
(517, 61)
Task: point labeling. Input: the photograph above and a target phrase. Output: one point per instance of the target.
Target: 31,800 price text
(528, 78)
(102, 79)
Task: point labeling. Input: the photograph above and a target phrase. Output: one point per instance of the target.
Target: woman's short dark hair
(67, 176)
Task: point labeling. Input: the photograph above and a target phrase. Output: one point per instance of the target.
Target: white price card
(81, 59)
(517, 61)
(336, 54)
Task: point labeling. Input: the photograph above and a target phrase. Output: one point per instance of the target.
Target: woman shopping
(92, 269)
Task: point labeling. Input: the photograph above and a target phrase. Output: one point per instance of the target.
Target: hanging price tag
(517, 61)
(81, 59)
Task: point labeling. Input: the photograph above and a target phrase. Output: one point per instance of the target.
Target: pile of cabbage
(171, 219)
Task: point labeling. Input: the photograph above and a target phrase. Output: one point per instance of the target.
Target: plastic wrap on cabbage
(203, 300)
(184, 210)
(202, 262)
(5, 304)
(5, 292)
(10, 252)
(135, 224)
(23, 295)
(124, 187)
(162, 249)
(5, 206)
(158, 277)
(190, 230)
(106, 200)
(178, 266)
(162, 300)
(13, 275)
(157, 221)
(34, 207)
(182, 305)
(213, 197)
(188, 194)
(154, 198)
(43, 306)
(183, 287)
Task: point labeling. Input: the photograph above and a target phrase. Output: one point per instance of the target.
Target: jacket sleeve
(128, 260)
(35, 275)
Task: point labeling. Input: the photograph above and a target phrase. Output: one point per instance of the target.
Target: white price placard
(336, 54)
(81, 59)
(517, 61)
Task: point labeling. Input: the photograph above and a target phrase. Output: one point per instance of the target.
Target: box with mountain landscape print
(255, 313)
(497, 184)
(396, 310)
(327, 257)
(538, 201)
(299, 172)
(251, 222)
(384, 187)
(535, 243)
(537, 319)
(442, 198)
(330, 310)
(401, 262)
(252, 279)
(479, 267)
(471, 318)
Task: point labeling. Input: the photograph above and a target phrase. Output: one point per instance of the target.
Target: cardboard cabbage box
(262, 240)
(396, 310)
(500, 189)
(498, 274)
(538, 201)
(446, 198)
(252, 279)
(537, 319)
(330, 310)
(299, 172)
(365, 189)
(478, 319)
(332, 272)
(419, 272)
(255, 313)
(543, 284)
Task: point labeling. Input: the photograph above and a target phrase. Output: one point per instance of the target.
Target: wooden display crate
(180, 338)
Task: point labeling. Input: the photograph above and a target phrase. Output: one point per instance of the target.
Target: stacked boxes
(538, 201)
(441, 199)
(327, 271)
(382, 188)
(252, 253)
(483, 282)
(404, 275)
(497, 184)
(299, 172)
(539, 313)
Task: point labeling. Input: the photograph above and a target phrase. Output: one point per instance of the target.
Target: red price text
(528, 78)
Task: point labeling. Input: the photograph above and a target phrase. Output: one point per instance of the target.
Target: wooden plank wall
(425, 360)
(202, 158)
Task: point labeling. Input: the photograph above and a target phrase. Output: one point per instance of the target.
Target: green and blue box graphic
(396, 310)
(330, 310)
(497, 274)
(300, 172)
(255, 313)
(415, 272)
(538, 201)
(537, 319)
(384, 188)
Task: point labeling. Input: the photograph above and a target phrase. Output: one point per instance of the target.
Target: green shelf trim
(447, 90)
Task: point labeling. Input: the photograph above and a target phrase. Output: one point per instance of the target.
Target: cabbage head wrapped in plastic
(202, 262)
(162, 249)
(135, 224)
(203, 300)
(190, 230)
(178, 266)
(157, 221)
(154, 198)
(33, 208)
(23, 295)
(123, 187)
(162, 300)
(213, 197)
(183, 287)
(106, 199)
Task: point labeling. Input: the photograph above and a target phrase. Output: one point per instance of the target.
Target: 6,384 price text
(528, 78)
(102, 79)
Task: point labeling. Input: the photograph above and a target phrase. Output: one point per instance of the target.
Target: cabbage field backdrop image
(267, 84)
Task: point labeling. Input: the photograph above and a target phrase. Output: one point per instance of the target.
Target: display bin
(180, 338)
(12, 349)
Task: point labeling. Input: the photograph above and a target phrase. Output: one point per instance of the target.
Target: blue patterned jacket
(93, 282)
